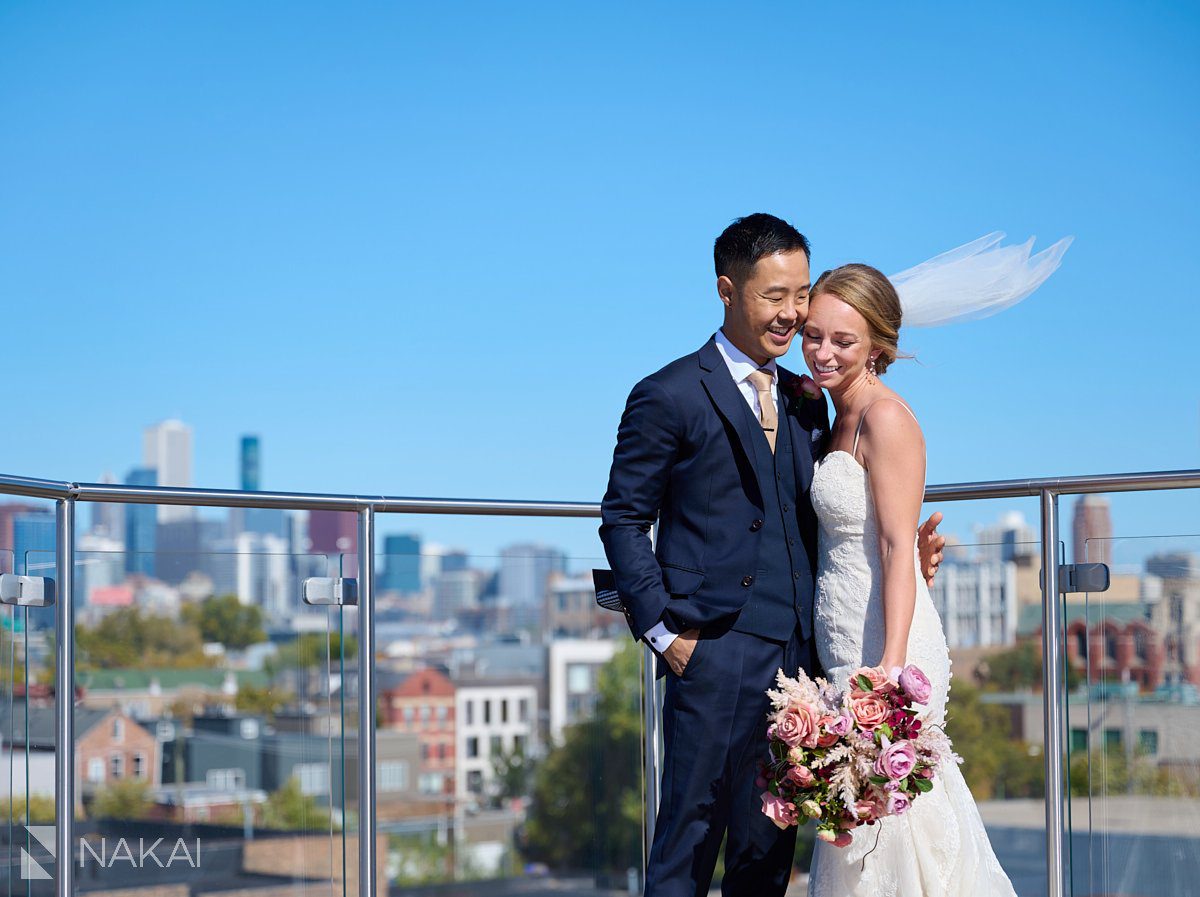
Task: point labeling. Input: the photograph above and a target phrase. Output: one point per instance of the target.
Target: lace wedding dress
(939, 848)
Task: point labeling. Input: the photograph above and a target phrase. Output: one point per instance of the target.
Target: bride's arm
(894, 452)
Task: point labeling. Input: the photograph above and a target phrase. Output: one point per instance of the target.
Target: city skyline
(534, 232)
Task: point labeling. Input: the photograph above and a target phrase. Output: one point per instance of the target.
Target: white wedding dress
(939, 848)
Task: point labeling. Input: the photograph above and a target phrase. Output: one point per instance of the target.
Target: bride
(872, 608)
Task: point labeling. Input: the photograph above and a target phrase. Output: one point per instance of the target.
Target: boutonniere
(807, 405)
(803, 389)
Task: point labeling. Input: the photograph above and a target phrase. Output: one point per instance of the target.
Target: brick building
(423, 704)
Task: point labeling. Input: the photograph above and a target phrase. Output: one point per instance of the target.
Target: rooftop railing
(1055, 749)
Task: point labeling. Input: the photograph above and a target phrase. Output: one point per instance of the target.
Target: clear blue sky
(427, 251)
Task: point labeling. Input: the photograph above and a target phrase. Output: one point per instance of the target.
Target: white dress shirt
(741, 366)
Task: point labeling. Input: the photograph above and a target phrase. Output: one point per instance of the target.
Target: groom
(718, 447)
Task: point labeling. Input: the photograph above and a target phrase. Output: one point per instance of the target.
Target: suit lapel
(729, 402)
(806, 429)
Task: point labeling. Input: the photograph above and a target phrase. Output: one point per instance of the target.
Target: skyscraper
(1008, 539)
(9, 511)
(401, 564)
(331, 532)
(141, 523)
(250, 465)
(108, 519)
(266, 521)
(524, 574)
(33, 542)
(167, 449)
(1092, 530)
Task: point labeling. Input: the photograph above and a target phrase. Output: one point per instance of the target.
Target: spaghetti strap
(863, 418)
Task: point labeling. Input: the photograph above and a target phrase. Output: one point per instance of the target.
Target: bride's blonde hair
(871, 294)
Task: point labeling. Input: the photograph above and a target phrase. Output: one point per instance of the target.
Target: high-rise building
(183, 546)
(333, 532)
(456, 591)
(1092, 530)
(8, 512)
(33, 535)
(1008, 539)
(100, 562)
(167, 448)
(977, 602)
(108, 520)
(141, 524)
(1174, 565)
(525, 571)
(401, 563)
(257, 569)
(250, 466)
(266, 521)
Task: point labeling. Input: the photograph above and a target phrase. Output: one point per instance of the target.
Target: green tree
(513, 772)
(586, 811)
(40, 808)
(125, 799)
(311, 649)
(226, 620)
(994, 763)
(129, 638)
(264, 701)
(11, 669)
(1020, 667)
(289, 809)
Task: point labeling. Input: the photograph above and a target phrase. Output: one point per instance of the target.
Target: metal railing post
(64, 700)
(367, 821)
(1054, 699)
(652, 738)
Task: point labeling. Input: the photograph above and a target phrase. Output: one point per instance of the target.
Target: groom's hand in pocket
(679, 653)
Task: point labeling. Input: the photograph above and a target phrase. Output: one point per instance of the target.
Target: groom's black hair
(751, 238)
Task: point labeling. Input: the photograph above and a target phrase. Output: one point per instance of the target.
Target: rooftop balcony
(270, 709)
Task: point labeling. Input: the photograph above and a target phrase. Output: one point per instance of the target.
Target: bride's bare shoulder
(890, 423)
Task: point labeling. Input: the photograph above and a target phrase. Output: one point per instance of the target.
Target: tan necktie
(767, 414)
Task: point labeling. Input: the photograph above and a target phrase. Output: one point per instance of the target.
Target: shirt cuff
(659, 637)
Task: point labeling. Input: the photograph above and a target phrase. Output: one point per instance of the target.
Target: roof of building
(167, 679)
(41, 725)
(1030, 616)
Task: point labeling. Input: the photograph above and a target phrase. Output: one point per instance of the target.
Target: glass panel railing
(207, 724)
(27, 736)
(1134, 720)
(988, 595)
(509, 739)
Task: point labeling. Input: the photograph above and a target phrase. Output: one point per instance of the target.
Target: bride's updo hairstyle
(871, 294)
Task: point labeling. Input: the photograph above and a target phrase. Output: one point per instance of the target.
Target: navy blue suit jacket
(685, 457)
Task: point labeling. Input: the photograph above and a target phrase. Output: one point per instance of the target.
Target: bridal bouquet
(848, 758)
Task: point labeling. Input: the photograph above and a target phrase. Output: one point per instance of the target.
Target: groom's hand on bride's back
(930, 544)
(679, 652)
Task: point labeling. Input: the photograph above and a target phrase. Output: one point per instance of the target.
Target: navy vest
(782, 597)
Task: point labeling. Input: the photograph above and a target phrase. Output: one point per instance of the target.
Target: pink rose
(839, 725)
(781, 812)
(896, 760)
(797, 726)
(827, 738)
(837, 839)
(865, 809)
(869, 709)
(801, 776)
(915, 684)
(898, 803)
(875, 675)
